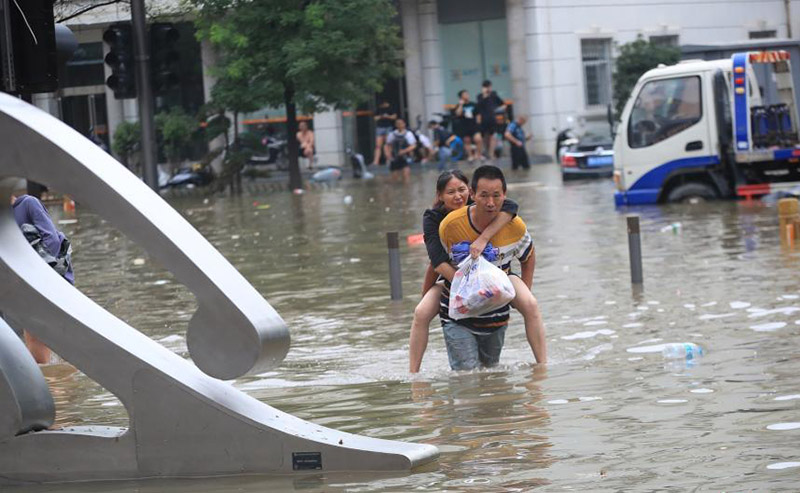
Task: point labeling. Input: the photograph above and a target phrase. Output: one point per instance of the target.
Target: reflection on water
(608, 413)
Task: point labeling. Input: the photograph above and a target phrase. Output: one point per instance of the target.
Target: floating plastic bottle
(682, 350)
(674, 227)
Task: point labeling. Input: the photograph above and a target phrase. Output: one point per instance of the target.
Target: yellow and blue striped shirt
(512, 241)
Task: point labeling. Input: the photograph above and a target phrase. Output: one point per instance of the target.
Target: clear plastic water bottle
(682, 350)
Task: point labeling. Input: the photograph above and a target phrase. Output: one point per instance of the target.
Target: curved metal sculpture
(183, 422)
(25, 401)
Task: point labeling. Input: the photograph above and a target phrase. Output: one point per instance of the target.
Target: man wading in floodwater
(478, 341)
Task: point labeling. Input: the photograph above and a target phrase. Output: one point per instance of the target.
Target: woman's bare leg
(379, 140)
(426, 310)
(39, 351)
(468, 149)
(478, 145)
(526, 304)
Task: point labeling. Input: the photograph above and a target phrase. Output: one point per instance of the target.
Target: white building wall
(431, 60)
(423, 58)
(794, 15)
(329, 138)
(412, 53)
(518, 55)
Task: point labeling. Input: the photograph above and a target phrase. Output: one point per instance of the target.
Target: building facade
(554, 58)
(89, 106)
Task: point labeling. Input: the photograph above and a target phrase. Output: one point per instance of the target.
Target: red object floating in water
(415, 239)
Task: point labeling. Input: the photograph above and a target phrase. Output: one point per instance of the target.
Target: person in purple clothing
(29, 211)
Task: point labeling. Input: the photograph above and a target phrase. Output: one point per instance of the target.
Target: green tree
(238, 93)
(127, 137)
(175, 129)
(636, 58)
(310, 54)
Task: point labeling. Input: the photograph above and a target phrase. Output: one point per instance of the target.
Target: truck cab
(701, 130)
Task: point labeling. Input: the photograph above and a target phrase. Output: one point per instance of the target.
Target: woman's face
(455, 194)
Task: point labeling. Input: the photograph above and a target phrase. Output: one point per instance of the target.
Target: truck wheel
(692, 193)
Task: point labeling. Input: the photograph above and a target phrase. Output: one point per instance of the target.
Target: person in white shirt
(399, 150)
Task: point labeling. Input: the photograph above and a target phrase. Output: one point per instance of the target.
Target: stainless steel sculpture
(183, 422)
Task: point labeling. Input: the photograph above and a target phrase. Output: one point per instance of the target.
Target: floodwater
(608, 413)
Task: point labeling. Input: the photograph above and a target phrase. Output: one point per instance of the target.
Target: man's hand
(446, 270)
(514, 141)
(477, 247)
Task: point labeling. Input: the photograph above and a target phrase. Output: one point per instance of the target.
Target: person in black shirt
(489, 106)
(385, 117)
(467, 126)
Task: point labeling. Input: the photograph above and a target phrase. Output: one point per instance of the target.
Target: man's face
(489, 195)
(400, 124)
(303, 126)
(465, 96)
(485, 90)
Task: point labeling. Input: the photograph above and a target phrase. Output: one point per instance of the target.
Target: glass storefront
(87, 115)
(473, 52)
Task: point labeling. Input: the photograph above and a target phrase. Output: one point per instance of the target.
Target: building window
(85, 68)
(763, 34)
(665, 40)
(596, 55)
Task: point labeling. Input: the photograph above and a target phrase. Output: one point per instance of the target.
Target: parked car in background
(588, 156)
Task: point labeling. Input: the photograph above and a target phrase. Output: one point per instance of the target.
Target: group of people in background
(473, 134)
(476, 121)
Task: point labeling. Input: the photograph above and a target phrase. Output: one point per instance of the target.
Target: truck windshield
(664, 108)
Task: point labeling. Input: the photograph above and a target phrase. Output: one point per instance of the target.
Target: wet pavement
(608, 413)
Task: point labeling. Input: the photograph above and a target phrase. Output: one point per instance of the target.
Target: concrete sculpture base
(183, 421)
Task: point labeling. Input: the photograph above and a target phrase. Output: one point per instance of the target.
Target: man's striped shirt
(512, 241)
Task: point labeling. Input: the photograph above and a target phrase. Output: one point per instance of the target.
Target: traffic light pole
(144, 93)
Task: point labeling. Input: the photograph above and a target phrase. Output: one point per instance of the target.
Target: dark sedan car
(591, 156)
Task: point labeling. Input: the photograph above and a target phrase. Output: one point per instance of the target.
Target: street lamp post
(144, 93)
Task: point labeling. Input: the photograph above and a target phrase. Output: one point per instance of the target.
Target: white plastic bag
(478, 287)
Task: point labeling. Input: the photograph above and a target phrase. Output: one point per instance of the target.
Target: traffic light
(120, 58)
(164, 57)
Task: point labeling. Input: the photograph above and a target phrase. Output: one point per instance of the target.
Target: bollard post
(635, 250)
(394, 265)
(788, 220)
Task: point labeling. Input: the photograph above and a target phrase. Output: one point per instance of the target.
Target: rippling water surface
(608, 412)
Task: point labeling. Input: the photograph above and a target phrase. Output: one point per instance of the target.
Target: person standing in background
(385, 117)
(305, 137)
(515, 134)
(489, 105)
(467, 126)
